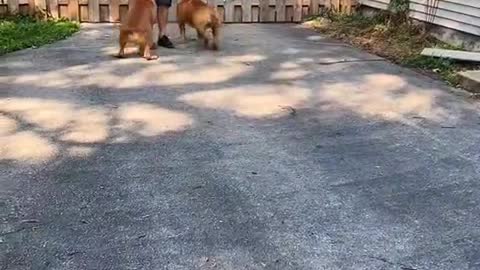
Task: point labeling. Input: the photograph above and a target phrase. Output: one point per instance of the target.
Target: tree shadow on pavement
(132, 154)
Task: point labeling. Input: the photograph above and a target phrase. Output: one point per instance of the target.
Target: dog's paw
(151, 57)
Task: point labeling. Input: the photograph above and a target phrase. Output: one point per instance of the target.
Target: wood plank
(104, 13)
(451, 15)
(328, 4)
(335, 5)
(255, 14)
(93, 10)
(228, 9)
(374, 4)
(237, 14)
(123, 11)
(23, 9)
(13, 7)
(349, 6)
(448, 23)
(73, 10)
(53, 8)
(63, 11)
(297, 11)
(114, 11)
(31, 7)
(246, 10)
(264, 10)
(289, 13)
(305, 11)
(280, 9)
(315, 7)
(83, 13)
(41, 5)
(471, 3)
(3, 9)
(452, 54)
(271, 13)
(221, 12)
(446, 5)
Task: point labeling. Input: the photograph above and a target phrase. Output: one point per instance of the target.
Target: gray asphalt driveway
(284, 150)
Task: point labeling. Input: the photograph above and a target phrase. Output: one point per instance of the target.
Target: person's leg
(162, 20)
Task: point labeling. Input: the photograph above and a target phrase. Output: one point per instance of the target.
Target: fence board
(123, 12)
(246, 10)
(3, 9)
(237, 14)
(13, 6)
(255, 14)
(314, 7)
(114, 11)
(93, 10)
(73, 10)
(229, 9)
(280, 9)
(289, 14)
(83, 13)
(23, 9)
(305, 11)
(104, 13)
(336, 5)
(41, 5)
(31, 7)
(63, 11)
(297, 11)
(221, 12)
(53, 8)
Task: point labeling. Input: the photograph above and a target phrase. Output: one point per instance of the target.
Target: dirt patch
(400, 43)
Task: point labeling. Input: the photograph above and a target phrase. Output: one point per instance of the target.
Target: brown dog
(202, 17)
(138, 28)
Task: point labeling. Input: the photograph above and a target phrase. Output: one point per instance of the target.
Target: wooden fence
(239, 11)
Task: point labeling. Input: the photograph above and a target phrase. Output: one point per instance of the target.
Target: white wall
(462, 15)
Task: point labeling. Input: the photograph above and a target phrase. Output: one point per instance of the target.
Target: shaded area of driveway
(284, 150)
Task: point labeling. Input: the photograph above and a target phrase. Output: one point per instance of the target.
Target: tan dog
(202, 17)
(138, 28)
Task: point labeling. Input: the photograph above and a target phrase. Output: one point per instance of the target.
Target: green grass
(20, 32)
(400, 43)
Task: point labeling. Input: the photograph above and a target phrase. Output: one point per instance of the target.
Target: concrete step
(470, 80)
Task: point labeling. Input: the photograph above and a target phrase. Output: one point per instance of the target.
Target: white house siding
(462, 15)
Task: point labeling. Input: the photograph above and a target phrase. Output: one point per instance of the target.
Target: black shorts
(164, 3)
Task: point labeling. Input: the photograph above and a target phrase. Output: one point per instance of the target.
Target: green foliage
(20, 32)
(398, 11)
(446, 68)
(399, 6)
